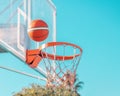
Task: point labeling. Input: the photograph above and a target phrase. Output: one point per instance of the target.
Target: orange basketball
(38, 30)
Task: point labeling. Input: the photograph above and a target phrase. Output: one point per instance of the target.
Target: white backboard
(15, 17)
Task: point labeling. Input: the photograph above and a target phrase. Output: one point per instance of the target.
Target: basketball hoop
(60, 61)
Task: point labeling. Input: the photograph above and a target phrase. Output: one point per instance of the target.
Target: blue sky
(95, 26)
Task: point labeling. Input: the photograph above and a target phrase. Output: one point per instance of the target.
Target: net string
(49, 72)
(61, 67)
(78, 62)
(48, 68)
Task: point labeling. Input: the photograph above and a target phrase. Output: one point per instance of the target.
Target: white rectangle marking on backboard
(20, 12)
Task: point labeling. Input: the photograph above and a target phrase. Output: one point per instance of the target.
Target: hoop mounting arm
(33, 58)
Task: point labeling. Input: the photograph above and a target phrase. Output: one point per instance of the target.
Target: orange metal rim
(57, 57)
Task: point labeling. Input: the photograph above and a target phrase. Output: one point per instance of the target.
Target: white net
(61, 64)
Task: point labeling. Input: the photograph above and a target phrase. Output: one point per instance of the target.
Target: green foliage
(77, 85)
(37, 90)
